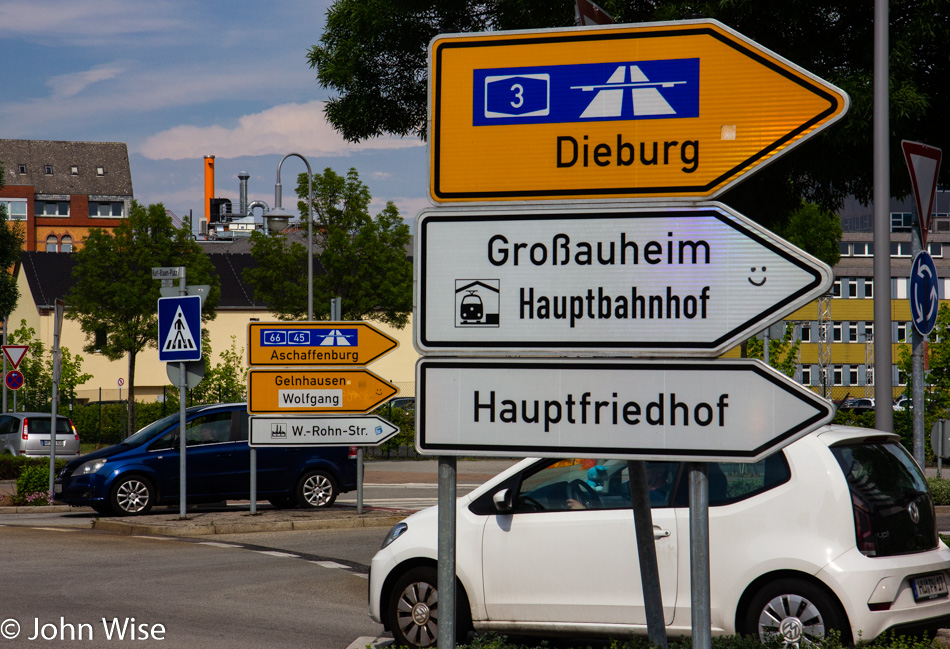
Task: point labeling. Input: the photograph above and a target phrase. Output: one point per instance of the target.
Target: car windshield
(40, 425)
(147, 433)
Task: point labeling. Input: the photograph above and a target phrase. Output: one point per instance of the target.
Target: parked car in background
(836, 531)
(902, 403)
(143, 471)
(28, 434)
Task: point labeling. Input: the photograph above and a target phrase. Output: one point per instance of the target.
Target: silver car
(28, 434)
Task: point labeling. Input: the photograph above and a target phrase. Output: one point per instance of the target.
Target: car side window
(731, 482)
(214, 428)
(575, 484)
(6, 425)
(242, 429)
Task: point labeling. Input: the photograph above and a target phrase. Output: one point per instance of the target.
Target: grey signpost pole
(646, 551)
(58, 310)
(699, 555)
(446, 549)
(182, 397)
(917, 367)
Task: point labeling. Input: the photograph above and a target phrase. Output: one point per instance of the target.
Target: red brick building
(59, 190)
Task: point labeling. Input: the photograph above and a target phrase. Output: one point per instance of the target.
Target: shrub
(32, 486)
(12, 465)
(940, 490)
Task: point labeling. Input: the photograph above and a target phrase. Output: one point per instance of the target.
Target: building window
(49, 170)
(852, 375)
(109, 209)
(836, 332)
(836, 380)
(868, 288)
(66, 244)
(863, 249)
(100, 171)
(852, 332)
(935, 248)
(869, 331)
(836, 288)
(901, 286)
(901, 332)
(901, 378)
(901, 221)
(51, 243)
(806, 375)
(15, 208)
(869, 376)
(806, 332)
(100, 339)
(844, 248)
(853, 288)
(21, 169)
(51, 208)
(901, 249)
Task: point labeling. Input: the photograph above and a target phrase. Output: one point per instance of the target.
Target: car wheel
(316, 489)
(132, 496)
(797, 612)
(413, 611)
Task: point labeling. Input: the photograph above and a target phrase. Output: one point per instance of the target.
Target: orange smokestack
(209, 186)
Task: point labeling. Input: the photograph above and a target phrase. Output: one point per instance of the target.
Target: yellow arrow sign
(682, 109)
(315, 343)
(313, 391)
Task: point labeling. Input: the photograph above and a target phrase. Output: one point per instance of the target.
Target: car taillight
(352, 455)
(26, 429)
(75, 432)
(863, 529)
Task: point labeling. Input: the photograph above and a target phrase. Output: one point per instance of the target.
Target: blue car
(142, 471)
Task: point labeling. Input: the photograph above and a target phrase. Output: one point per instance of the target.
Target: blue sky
(180, 79)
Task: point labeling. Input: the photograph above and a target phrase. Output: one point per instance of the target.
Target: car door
(213, 460)
(546, 562)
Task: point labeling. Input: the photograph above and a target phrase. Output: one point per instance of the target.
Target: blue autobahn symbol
(586, 92)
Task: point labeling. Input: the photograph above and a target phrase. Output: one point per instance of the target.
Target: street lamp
(279, 215)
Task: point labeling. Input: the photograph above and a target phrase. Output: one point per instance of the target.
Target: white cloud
(277, 130)
(88, 21)
(70, 85)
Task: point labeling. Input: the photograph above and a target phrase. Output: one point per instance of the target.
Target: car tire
(132, 496)
(316, 490)
(412, 613)
(797, 611)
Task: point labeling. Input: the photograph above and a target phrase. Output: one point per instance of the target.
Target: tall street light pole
(278, 212)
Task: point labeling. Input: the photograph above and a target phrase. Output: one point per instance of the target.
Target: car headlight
(90, 467)
(394, 533)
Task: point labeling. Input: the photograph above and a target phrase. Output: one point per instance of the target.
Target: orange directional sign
(316, 391)
(315, 343)
(683, 109)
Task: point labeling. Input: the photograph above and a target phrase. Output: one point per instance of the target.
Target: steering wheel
(529, 504)
(583, 493)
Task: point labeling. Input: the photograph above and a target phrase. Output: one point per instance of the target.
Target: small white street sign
(676, 280)
(701, 410)
(331, 430)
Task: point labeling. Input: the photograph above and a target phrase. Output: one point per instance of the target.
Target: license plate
(58, 488)
(59, 442)
(929, 587)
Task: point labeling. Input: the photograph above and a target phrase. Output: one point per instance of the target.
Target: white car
(836, 531)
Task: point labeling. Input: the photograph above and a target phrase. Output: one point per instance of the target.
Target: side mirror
(502, 501)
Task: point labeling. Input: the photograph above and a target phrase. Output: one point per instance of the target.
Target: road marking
(54, 529)
(218, 544)
(330, 564)
(154, 538)
(275, 553)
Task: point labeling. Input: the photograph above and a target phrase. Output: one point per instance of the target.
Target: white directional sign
(666, 410)
(320, 431)
(677, 280)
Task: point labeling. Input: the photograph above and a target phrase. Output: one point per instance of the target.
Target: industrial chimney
(243, 176)
(209, 187)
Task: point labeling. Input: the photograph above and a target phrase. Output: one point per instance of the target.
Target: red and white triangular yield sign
(923, 163)
(15, 353)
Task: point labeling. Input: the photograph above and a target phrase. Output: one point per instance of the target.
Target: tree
(362, 259)
(815, 230)
(372, 55)
(224, 382)
(11, 244)
(115, 298)
(783, 353)
(37, 367)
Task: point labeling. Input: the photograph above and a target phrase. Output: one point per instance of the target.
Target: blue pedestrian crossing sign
(179, 328)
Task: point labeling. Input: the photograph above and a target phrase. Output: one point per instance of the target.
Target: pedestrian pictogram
(179, 328)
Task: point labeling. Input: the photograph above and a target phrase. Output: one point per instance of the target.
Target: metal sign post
(59, 308)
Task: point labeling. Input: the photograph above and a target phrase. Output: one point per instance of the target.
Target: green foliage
(106, 424)
(783, 353)
(12, 465)
(859, 418)
(405, 422)
(936, 381)
(371, 56)
(226, 381)
(32, 485)
(815, 230)
(37, 367)
(11, 244)
(362, 259)
(940, 490)
(114, 296)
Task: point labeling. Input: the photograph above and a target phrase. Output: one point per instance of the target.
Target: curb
(185, 528)
(42, 509)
